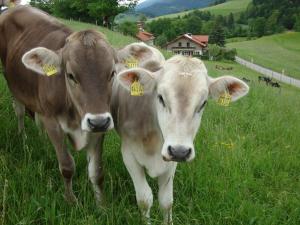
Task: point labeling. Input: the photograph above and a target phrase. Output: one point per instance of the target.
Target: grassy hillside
(232, 6)
(255, 180)
(277, 52)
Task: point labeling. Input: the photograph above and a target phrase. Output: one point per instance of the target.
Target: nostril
(189, 151)
(170, 150)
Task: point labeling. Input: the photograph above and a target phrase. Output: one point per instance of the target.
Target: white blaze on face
(182, 91)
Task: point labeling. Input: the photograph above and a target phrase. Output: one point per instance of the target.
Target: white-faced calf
(158, 129)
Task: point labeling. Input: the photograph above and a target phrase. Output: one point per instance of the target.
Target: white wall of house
(185, 46)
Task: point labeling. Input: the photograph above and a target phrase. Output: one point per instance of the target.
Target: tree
(258, 26)
(194, 24)
(272, 23)
(230, 21)
(161, 40)
(217, 35)
(128, 28)
(297, 24)
(44, 5)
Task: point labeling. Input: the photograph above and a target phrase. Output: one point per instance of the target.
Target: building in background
(146, 37)
(188, 44)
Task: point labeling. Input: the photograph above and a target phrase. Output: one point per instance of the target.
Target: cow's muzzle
(178, 153)
(97, 122)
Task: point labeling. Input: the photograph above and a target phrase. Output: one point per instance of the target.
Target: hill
(246, 169)
(231, 6)
(155, 8)
(276, 52)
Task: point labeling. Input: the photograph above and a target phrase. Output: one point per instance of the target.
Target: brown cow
(74, 102)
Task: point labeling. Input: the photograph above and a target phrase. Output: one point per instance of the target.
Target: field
(277, 52)
(232, 6)
(246, 169)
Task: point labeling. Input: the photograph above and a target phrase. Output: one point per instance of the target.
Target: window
(188, 44)
(179, 44)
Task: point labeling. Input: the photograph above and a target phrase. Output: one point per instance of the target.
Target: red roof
(145, 36)
(198, 39)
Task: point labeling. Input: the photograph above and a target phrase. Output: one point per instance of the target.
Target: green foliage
(283, 12)
(218, 53)
(217, 36)
(258, 26)
(161, 40)
(297, 24)
(102, 11)
(128, 28)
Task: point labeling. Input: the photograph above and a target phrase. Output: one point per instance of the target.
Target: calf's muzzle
(179, 153)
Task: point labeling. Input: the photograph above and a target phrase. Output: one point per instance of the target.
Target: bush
(217, 53)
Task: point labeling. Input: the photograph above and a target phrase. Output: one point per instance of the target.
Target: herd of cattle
(79, 87)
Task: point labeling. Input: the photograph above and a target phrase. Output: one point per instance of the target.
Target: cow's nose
(99, 124)
(179, 153)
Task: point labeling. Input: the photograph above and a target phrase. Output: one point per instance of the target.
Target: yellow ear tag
(224, 99)
(49, 69)
(131, 62)
(136, 89)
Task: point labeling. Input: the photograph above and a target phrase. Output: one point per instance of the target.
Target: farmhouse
(146, 37)
(188, 44)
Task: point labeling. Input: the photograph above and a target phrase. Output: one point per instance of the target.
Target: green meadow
(224, 9)
(277, 52)
(246, 170)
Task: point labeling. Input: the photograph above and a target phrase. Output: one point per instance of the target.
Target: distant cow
(275, 84)
(158, 129)
(265, 79)
(74, 101)
(246, 80)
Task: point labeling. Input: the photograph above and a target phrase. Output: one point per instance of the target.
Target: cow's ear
(235, 87)
(42, 61)
(140, 75)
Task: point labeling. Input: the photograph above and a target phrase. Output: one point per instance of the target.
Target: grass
(224, 9)
(276, 52)
(255, 181)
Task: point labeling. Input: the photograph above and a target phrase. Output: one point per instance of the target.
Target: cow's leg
(19, 109)
(65, 159)
(95, 170)
(165, 194)
(143, 192)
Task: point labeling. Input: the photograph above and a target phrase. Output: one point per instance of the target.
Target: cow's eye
(71, 77)
(161, 100)
(112, 75)
(201, 107)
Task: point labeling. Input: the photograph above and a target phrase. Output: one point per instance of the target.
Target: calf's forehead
(184, 78)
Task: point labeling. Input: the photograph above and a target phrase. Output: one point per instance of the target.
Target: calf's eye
(71, 77)
(161, 100)
(202, 106)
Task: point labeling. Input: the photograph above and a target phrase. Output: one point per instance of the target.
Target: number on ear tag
(136, 89)
(224, 99)
(49, 69)
(131, 62)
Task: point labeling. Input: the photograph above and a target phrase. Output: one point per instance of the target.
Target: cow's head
(181, 88)
(87, 62)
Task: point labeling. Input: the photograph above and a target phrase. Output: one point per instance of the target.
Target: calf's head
(181, 88)
(87, 63)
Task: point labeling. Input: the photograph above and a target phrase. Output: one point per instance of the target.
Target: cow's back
(22, 29)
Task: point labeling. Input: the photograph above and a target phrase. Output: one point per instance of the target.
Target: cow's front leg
(95, 170)
(19, 109)
(65, 159)
(143, 192)
(165, 194)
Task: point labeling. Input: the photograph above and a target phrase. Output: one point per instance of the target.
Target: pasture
(246, 169)
(224, 9)
(276, 52)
